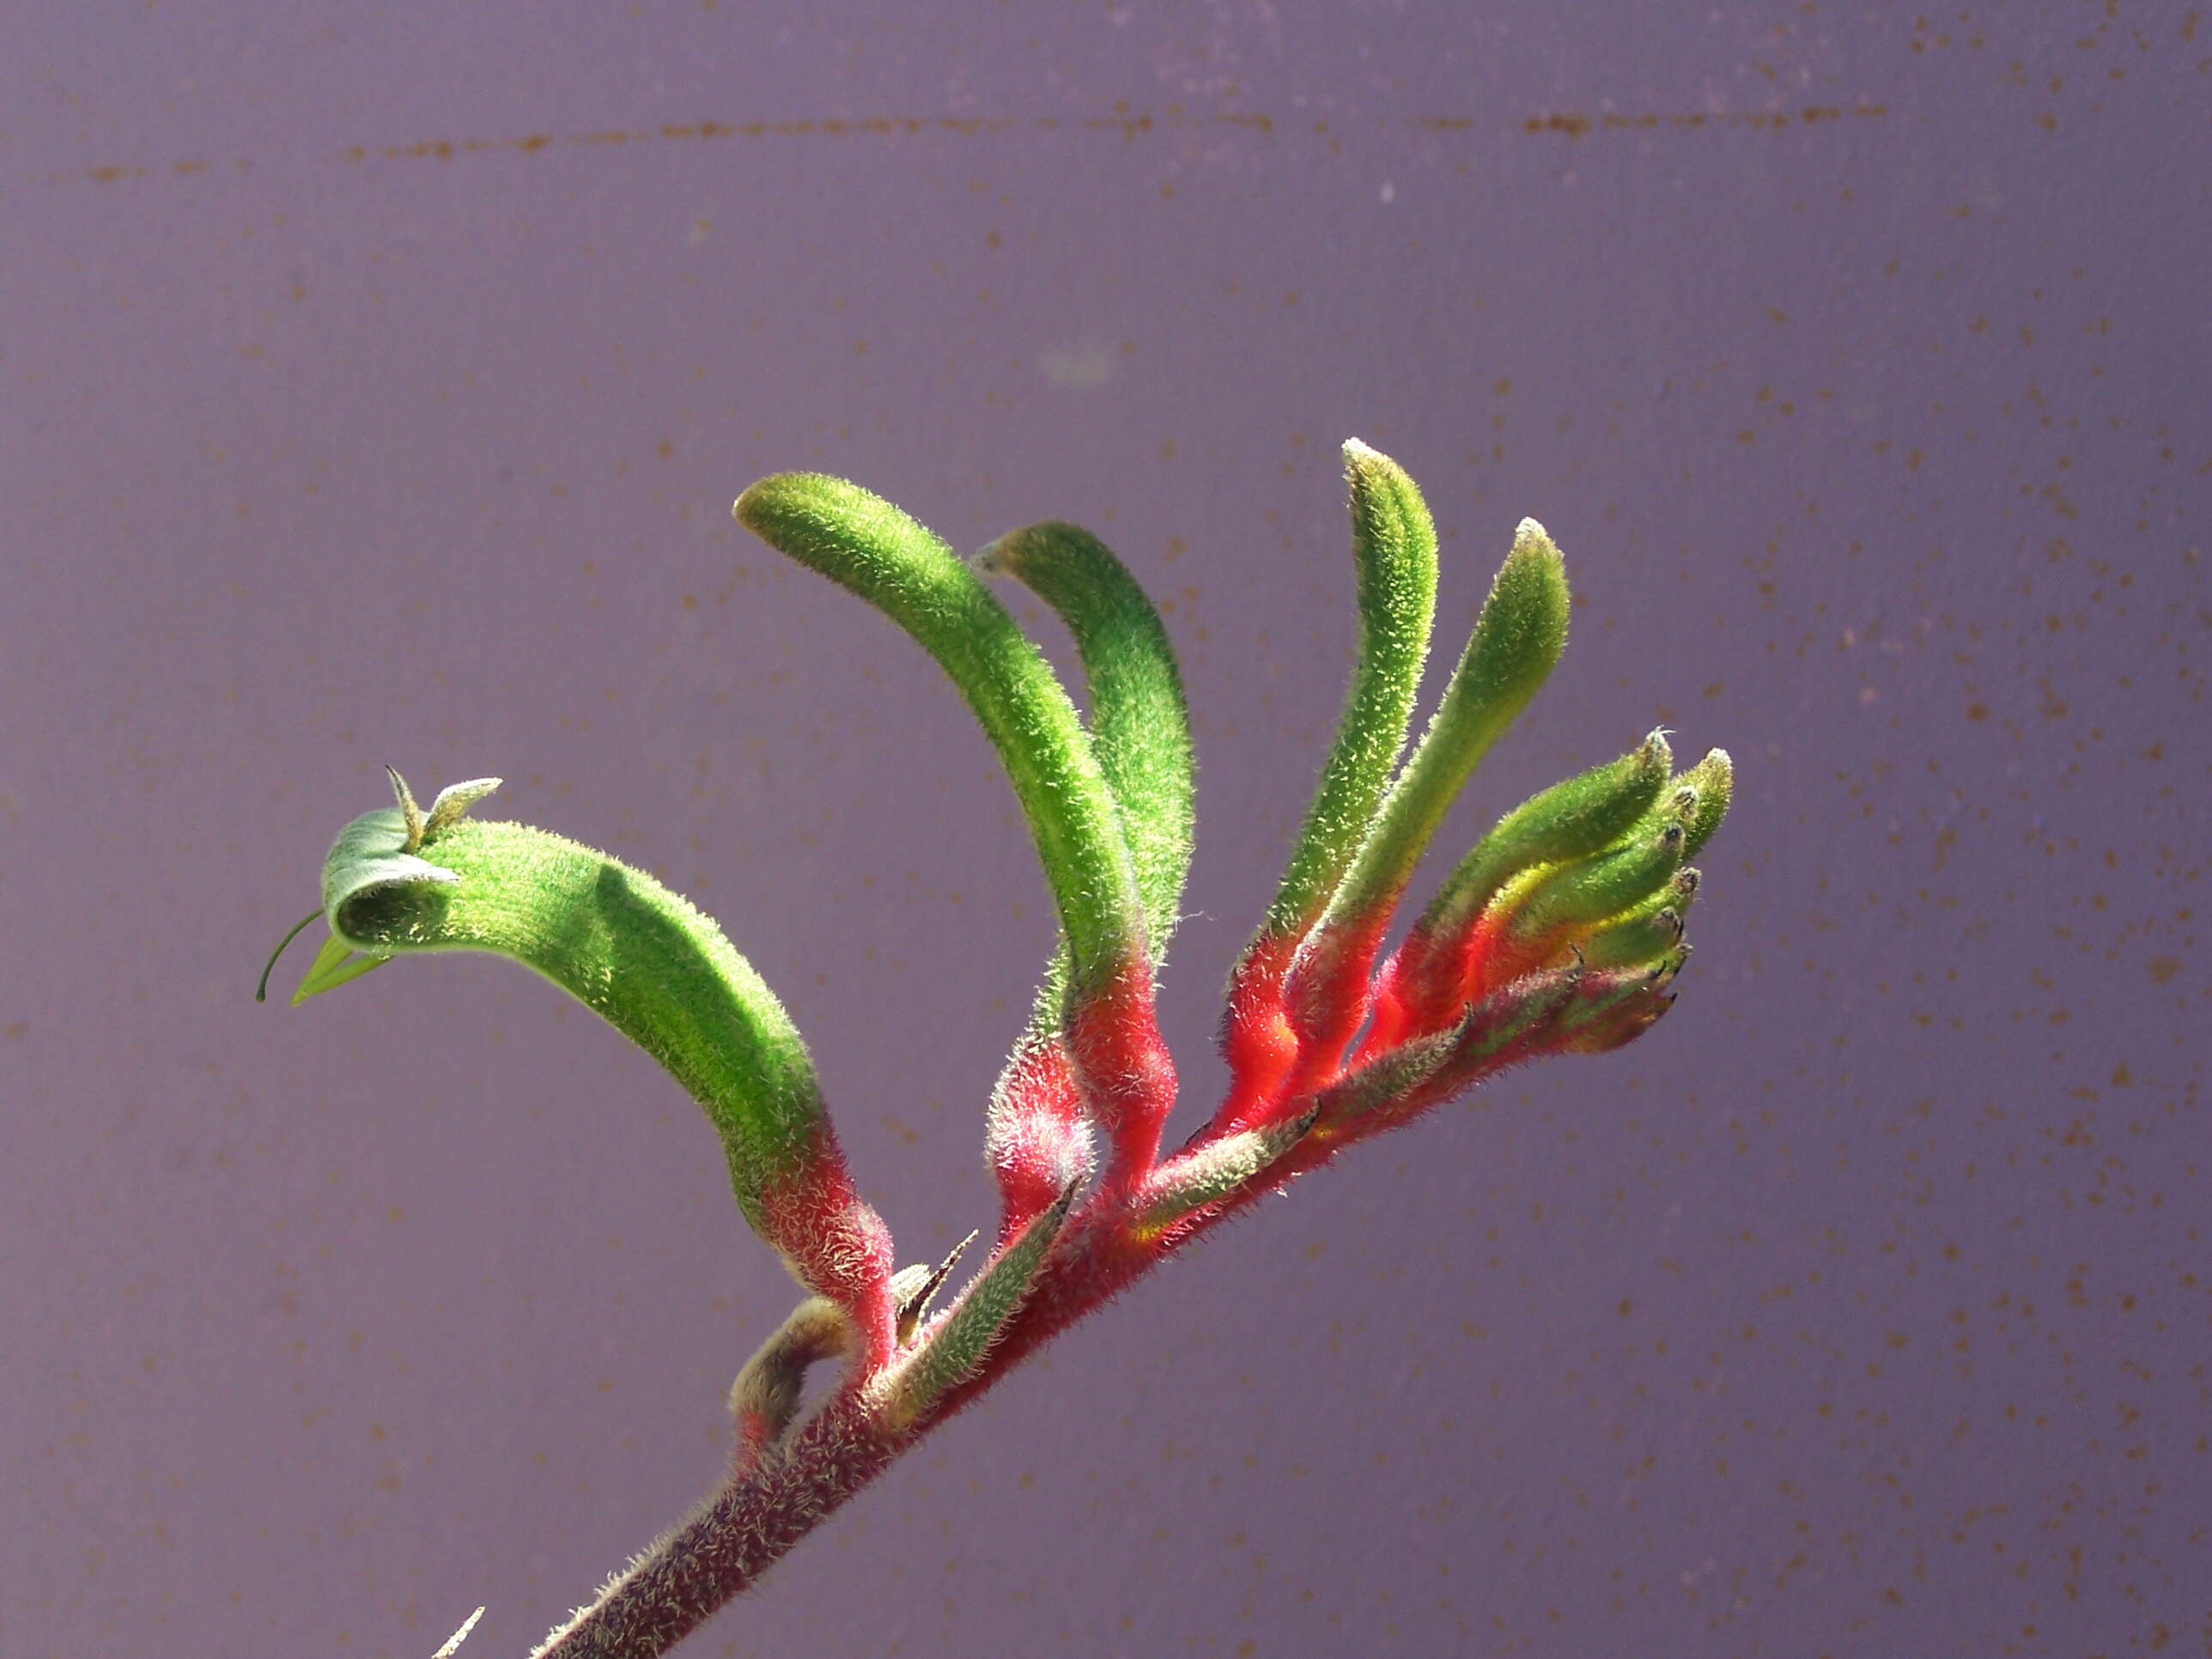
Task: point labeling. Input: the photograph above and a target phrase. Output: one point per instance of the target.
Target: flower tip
(1368, 466)
(1523, 625)
(1382, 491)
(1714, 778)
(1719, 771)
(757, 502)
(1536, 566)
(782, 500)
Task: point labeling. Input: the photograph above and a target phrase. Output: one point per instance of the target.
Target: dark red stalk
(684, 1577)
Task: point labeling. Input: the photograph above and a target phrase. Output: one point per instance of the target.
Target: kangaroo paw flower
(1561, 933)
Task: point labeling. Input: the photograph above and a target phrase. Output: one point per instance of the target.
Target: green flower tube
(1394, 549)
(657, 969)
(1518, 639)
(866, 545)
(1569, 820)
(1139, 728)
(1139, 724)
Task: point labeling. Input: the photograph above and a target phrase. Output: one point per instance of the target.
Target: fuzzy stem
(685, 1576)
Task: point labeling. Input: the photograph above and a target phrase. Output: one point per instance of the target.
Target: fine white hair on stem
(453, 1642)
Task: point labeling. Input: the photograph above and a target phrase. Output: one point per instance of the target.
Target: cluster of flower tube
(1559, 933)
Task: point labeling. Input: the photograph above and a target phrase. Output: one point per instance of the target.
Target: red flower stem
(1387, 1026)
(1036, 1141)
(1407, 1001)
(841, 1245)
(1327, 997)
(1256, 1038)
(1123, 1065)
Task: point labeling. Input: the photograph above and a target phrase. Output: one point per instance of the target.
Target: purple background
(376, 384)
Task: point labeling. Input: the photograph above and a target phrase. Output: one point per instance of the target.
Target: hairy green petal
(374, 852)
(1589, 891)
(1569, 820)
(1516, 640)
(1139, 724)
(866, 545)
(1394, 545)
(633, 952)
(1644, 932)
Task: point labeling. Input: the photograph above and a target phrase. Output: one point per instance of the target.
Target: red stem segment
(1124, 1069)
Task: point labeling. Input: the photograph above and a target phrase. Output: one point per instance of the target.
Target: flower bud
(1578, 895)
(1646, 931)
(1714, 778)
(1615, 1006)
(1570, 820)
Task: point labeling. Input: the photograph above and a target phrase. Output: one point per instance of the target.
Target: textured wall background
(376, 382)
